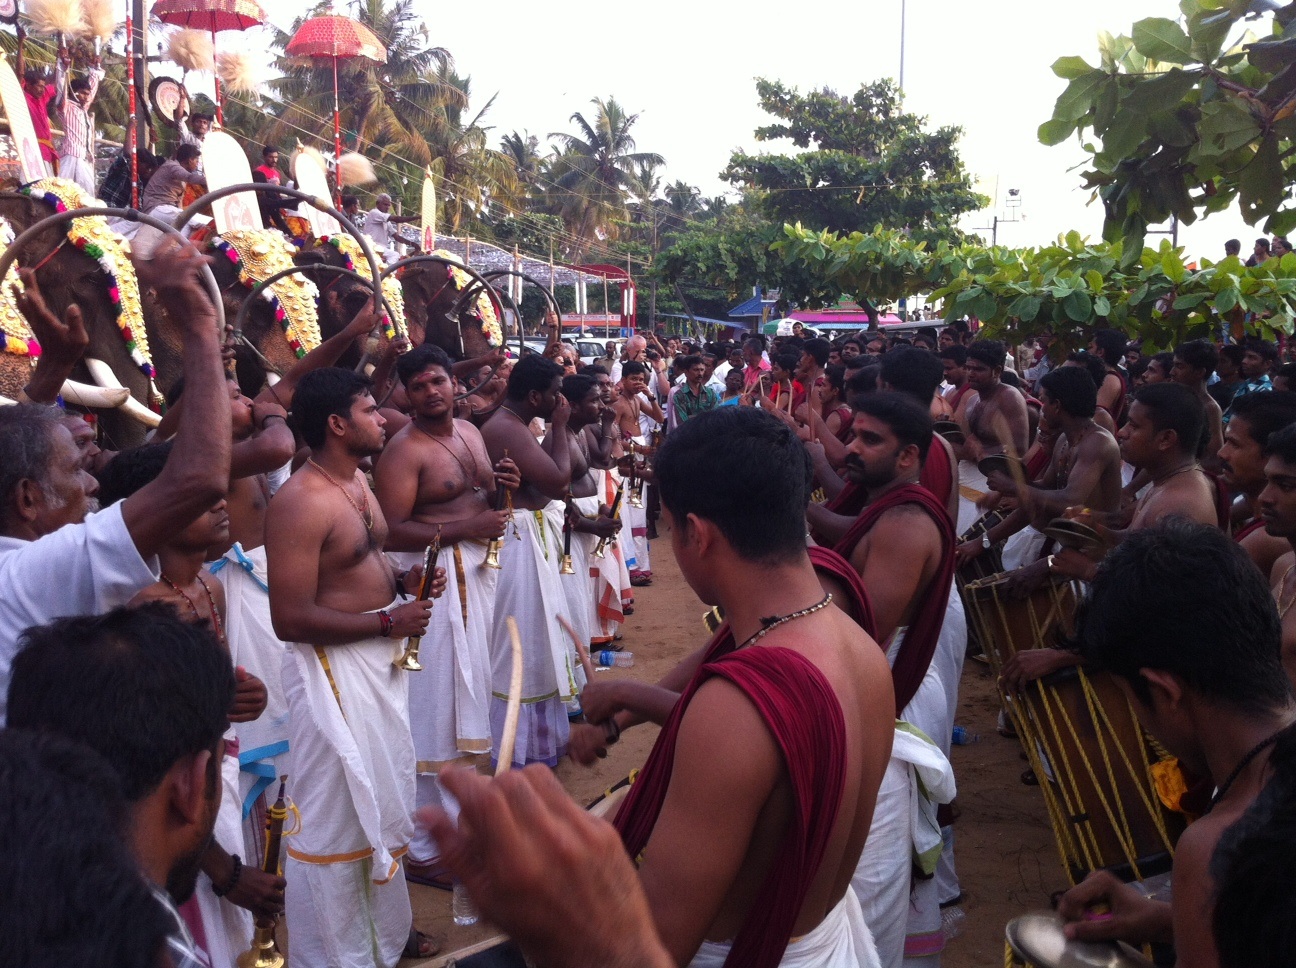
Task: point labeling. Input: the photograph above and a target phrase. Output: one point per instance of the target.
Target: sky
(688, 69)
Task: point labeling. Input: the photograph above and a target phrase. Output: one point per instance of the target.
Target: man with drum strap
(435, 481)
(790, 696)
(1160, 436)
(902, 546)
(1242, 467)
(1205, 680)
(1084, 471)
(530, 588)
(991, 410)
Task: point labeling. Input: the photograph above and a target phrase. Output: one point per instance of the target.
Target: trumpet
(493, 547)
(409, 658)
(264, 953)
(636, 483)
(565, 568)
(600, 548)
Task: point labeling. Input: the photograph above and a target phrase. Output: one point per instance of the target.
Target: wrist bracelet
(385, 623)
(220, 890)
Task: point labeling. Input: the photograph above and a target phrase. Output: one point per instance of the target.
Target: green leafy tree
(594, 173)
(1179, 121)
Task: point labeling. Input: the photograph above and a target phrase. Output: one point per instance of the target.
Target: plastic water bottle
(963, 738)
(462, 908)
(609, 658)
(952, 919)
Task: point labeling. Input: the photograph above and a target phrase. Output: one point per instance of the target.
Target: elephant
(66, 275)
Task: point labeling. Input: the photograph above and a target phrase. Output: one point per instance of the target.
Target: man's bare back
(729, 805)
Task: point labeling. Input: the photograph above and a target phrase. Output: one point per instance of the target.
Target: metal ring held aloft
(265, 283)
(549, 297)
(128, 214)
(320, 204)
(477, 279)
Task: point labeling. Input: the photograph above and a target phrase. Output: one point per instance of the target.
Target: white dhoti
(581, 587)
(840, 940)
(263, 743)
(1022, 548)
(972, 487)
(905, 839)
(530, 591)
(226, 929)
(78, 169)
(634, 528)
(354, 785)
(951, 650)
(449, 701)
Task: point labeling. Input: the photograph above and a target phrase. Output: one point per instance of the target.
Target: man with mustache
(902, 545)
(50, 537)
(1256, 418)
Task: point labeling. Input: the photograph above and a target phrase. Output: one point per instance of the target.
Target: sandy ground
(1007, 859)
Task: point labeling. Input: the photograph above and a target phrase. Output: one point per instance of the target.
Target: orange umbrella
(211, 15)
(336, 38)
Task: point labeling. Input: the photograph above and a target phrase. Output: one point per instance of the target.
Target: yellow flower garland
(391, 287)
(18, 338)
(260, 254)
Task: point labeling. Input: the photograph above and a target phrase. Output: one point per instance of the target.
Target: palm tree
(399, 104)
(522, 149)
(471, 176)
(594, 172)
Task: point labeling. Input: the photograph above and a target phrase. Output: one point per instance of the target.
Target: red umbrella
(336, 38)
(211, 15)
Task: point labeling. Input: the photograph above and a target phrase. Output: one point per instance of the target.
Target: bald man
(380, 224)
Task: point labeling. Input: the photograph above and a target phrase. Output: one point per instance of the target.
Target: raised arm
(324, 355)
(196, 474)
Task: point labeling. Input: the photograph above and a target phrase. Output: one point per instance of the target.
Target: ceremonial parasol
(336, 38)
(211, 16)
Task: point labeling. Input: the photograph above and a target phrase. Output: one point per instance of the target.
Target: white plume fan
(237, 71)
(53, 17)
(192, 50)
(355, 169)
(100, 17)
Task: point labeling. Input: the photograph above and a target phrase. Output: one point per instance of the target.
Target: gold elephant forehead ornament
(259, 254)
(18, 338)
(91, 234)
(391, 287)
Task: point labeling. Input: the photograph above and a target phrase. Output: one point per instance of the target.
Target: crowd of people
(251, 594)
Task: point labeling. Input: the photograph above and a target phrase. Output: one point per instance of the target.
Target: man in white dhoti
(435, 481)
(334, 596)
(530, 590)
(636, 414)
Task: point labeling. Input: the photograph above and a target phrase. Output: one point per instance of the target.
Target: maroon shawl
(937, 475)
(857, 606)
(919, 645)
(804, 717)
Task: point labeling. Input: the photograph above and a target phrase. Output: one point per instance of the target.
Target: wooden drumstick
(1015, 465)
(581, 652)
(508, 742)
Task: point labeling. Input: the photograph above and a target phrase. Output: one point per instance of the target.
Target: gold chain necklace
(366, 515)
(470, 475)
(770, 624)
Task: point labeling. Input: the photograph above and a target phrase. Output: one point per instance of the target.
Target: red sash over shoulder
(937, 475)
(804, 717)
(1248, 529)
(858, 606)
(919, 645)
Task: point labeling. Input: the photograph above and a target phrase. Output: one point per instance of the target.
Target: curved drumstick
(582, 653)
(508, 742)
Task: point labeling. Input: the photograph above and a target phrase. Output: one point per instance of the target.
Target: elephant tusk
(103, 375)
(6, 402)
(85, 395)
(272, 378)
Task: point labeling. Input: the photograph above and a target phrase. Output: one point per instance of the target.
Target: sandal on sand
(422, 945)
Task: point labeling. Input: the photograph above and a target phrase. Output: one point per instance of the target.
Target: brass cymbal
(997, 462)
(1039, 939)
(950, 430)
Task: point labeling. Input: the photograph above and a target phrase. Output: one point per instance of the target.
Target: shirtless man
(1242, 466)
(436, 479)
(954, 360)
(634, 400)
(334, 596)
(989, 409)
(1193, 364)
(530, 588)
(1109, 346)
(590, 434)
(1207, 681)
(631, 406)
(1084, 470)
(902, 546)
(712, 812)
(1160, 437)
(1277, 504)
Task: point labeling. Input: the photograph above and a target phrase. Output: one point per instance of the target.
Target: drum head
(1039, 939)
(170, 99)
(950, 430)
(607, 805)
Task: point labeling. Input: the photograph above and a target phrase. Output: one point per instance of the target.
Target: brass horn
(601, 547)
(409, 658)
(264, 953)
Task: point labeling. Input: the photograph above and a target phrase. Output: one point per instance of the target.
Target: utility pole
(903, 11)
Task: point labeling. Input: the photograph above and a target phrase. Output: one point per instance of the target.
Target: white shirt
(80, 569)
(377, 226)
